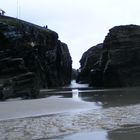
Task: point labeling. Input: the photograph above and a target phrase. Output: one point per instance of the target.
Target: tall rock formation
(25, 47)
(89, 61)
(119, 60)
(122, 56)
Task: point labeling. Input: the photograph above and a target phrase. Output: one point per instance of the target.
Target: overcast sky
(81, 24)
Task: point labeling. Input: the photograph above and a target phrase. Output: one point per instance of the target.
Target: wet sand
(132, 133)
(109, 115)
(52, 105)
(107, 124)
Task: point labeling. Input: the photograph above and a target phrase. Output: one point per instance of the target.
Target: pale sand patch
(38, 107)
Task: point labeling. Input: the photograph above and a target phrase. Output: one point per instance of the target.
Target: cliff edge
(118, 62)
(29, 48)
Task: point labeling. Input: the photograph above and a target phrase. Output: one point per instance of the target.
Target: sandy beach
(28, 108)
(86, 124)
(72, 116)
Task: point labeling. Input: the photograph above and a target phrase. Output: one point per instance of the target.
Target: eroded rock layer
(25, 47)
(119, 60)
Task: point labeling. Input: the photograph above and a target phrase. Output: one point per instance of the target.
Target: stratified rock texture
(88, 62)
(25, 47)
(122, 47)
(120, 58)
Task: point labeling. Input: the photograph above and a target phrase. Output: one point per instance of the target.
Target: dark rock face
(123, 48)
(25, 47)
(23, 85)
(74, 74)
(119, 61)
(88, 62)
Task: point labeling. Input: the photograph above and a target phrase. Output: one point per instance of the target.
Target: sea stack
(118, 64)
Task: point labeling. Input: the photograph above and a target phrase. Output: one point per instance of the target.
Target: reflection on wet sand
(108, 115)
(128, 132)
(107, 98)
(76, 95)
(97, 135)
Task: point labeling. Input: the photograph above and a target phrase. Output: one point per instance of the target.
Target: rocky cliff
(119, 60)
(89, 61)
(25, 47)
